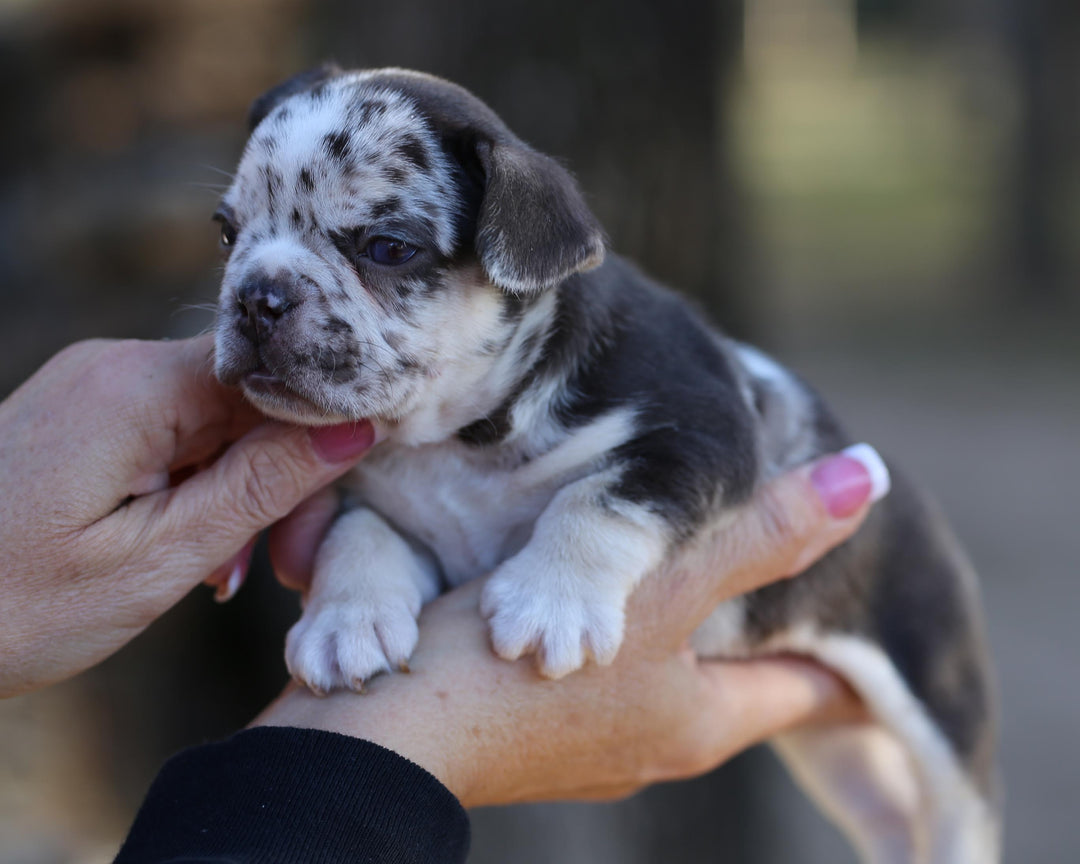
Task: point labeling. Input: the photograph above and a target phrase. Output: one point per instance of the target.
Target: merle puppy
(549, 415)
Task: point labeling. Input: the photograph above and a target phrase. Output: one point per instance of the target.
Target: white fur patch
(952, 823)
(462, 382)
(862, 777)
(761, 365)
(564, 595)
(360, 614)
(785, 436)
(584, 446)
(469, 505)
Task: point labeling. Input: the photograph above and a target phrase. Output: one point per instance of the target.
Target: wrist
(410, 727)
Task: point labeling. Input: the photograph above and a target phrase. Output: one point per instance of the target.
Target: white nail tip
(228, 590)
(880, 482)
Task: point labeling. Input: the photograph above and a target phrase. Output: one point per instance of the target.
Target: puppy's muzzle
(262, 304)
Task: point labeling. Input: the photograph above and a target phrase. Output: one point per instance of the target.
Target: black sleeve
(283, 795)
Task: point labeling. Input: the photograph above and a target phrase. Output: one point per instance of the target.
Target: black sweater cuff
(281, 795)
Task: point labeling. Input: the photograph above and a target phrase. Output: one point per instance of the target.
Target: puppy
(549, 415)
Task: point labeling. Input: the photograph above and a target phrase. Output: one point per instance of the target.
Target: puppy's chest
(468, 509)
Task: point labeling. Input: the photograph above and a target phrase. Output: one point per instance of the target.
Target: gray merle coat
(551, 416)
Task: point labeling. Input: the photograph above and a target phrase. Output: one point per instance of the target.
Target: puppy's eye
(228, 229)
(389, 251)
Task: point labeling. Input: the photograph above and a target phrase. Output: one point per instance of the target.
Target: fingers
(295, 539)
(770, 695)
(801, 515)
(227, 579)
(791, 522)
(181, 394)
(758, 699)
(846, 484)
(208, 518)
(163, 387)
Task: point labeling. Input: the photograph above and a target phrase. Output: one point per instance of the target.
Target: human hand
(494, 732)
(128, 474)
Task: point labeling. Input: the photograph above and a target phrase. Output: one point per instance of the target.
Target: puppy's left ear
(299, 83)
(534, 228)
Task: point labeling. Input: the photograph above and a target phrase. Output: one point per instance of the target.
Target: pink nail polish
(851, 479)
(342, 442)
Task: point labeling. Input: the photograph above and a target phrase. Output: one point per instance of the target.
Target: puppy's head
(383, 234)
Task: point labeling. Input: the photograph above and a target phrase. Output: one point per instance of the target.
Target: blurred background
(884, 193)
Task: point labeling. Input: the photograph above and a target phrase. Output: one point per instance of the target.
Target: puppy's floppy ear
(297, 84)
(533, 228)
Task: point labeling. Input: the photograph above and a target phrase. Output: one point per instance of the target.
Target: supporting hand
(494, 732)
(127, 476)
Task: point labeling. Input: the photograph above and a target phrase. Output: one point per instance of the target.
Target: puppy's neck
(473, 384)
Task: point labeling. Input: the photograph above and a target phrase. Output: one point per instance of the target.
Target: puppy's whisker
(206, 331)
(367, 343)
(217, 170)
(196, 307)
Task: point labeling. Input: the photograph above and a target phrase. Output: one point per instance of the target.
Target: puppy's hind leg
(904, 778)
(861, 776)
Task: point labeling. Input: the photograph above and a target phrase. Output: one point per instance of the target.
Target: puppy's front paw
(343, 644)
(562, 621)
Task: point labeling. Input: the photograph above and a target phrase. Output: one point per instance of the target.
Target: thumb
(256, 482)
(764, 697)
(798, 517)
(788, 524)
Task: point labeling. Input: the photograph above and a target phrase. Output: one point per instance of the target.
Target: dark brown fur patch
(337, 145)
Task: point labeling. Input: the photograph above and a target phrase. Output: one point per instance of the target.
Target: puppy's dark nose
(262, 303)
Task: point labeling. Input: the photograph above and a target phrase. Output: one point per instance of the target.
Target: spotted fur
(561, 422)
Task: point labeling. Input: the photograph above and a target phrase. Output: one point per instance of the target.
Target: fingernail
(851, 479)
(227, 590)
(342, 442)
